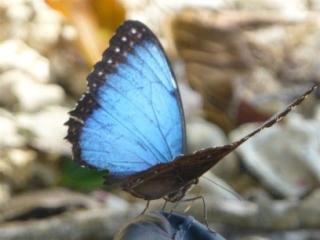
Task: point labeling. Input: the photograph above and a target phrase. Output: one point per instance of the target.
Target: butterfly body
(130, 121)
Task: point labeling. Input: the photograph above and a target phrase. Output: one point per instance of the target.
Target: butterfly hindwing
(131, 117)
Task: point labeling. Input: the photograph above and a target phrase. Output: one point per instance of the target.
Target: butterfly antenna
(224, 188)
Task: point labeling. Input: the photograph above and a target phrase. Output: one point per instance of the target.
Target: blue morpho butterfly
(130, 121)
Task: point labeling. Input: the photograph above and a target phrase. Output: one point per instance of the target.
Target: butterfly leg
(164, 205)
(145, 209)
(205, 213)
(172, 210)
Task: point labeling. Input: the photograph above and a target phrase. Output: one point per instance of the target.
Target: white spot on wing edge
(77, 119)
(174, 83)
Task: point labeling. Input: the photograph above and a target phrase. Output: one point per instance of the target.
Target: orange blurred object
(95, 21)
(109, 13)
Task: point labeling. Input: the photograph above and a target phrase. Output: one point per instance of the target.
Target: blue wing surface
(131, 118)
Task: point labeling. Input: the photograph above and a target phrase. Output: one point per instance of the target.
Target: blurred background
(237, 62)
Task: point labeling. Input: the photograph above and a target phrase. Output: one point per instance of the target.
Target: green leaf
(81, 178)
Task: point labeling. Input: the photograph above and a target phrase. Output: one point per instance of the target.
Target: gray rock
(45, 130)
(286, 157)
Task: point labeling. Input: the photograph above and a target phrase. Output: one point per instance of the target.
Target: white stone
(47, 128)
(14, 54)
(33, 96)
(10, 137)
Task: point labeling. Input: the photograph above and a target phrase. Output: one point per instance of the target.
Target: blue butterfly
(131, 123)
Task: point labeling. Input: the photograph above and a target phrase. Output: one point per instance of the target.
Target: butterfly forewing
(136, 118)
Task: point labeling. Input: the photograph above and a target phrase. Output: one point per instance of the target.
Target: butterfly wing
(131, 117)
